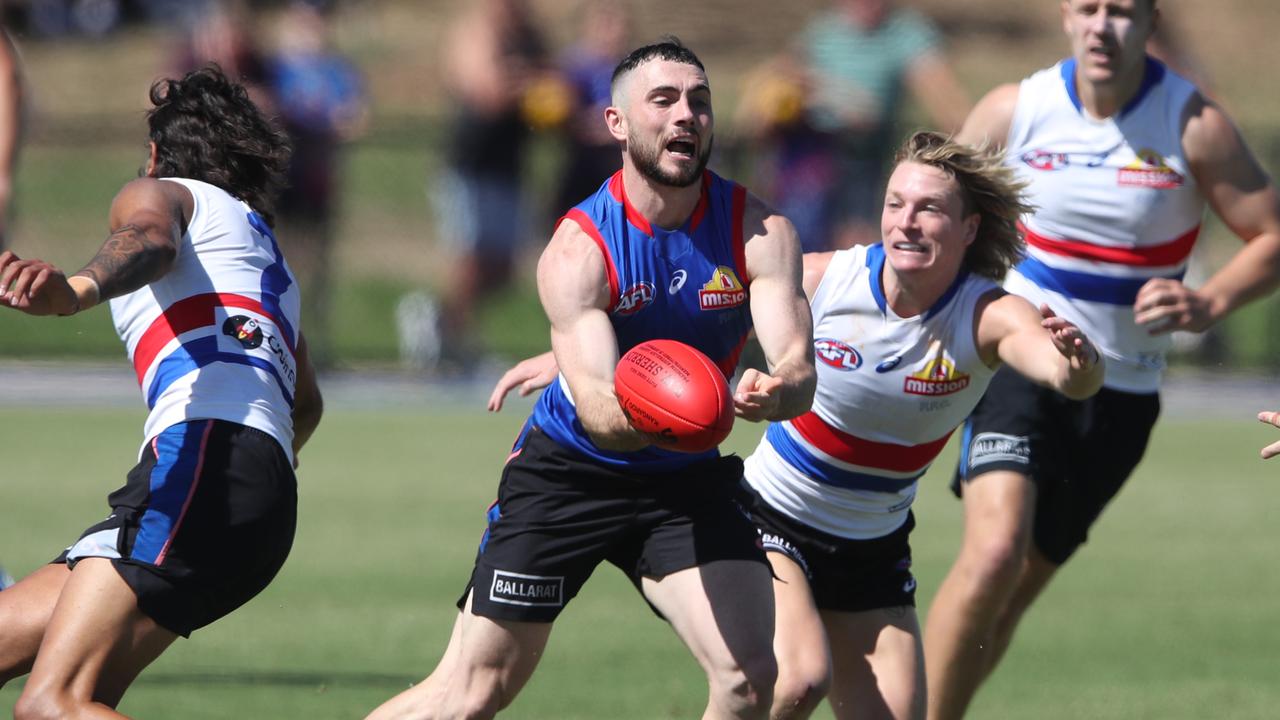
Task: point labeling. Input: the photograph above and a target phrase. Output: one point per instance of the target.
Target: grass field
(1169, 613)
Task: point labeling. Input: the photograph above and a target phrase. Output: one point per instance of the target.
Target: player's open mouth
(906, 246)
(1100, 53)
(684, 148)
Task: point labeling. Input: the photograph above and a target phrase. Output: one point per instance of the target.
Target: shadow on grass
(286, 678)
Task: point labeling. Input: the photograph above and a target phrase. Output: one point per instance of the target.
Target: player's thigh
(998, 509)
(25, 609)
(501, 654)
(878, 663)
(799, 637)
(723, 611)
(97, 640)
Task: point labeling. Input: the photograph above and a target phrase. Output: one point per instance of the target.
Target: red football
(676, 394)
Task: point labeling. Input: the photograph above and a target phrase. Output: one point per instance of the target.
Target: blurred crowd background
(437, 141)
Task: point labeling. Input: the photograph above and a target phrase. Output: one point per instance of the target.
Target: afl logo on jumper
(836, 354)
(722, 291)
(938, 376)
(244, 330)
(635, 298)
(1051, 161)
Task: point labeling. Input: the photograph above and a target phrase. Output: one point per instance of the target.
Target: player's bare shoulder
(1209, 137)
(573, 265)
(991, 118)
(148, 196)
(771, 239)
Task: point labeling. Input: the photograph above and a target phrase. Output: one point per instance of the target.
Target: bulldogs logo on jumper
(244, 330)
(635, 298)
(938, 376)
(836, 354)
(722, 291)
(1149, 169)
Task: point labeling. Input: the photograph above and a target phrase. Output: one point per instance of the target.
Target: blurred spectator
(495, 69)
(11, 108)
(321, 104)
(854, 65)
(11, 111)
(591, 152)
(221, 32)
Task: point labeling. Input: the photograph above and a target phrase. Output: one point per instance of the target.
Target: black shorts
(559, 514)
(844, 575)
(202, 525)
(1078, 452)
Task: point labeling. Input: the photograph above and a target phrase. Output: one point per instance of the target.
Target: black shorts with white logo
(844, 575)
(203, 523)
(1078, 452)
(559, 514)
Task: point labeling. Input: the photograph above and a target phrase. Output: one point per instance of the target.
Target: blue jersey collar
(1152, 74)
(875, 262)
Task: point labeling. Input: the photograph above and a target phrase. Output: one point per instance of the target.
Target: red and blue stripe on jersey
(688, 284)
(198, 312)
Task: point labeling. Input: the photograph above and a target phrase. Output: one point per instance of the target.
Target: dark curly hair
(206, 128)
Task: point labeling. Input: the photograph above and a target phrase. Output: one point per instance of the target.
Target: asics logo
(677, 281)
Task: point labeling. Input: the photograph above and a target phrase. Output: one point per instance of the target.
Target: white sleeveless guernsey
(215, 337)
(890, 392)
(1115, 207)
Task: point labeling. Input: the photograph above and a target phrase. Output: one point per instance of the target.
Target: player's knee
(994, 559)
(800, 688)
(36, 703)
(747, 688)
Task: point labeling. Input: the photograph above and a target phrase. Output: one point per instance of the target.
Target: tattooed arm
(148, 218)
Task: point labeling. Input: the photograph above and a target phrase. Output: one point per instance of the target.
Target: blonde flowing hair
(990, 188)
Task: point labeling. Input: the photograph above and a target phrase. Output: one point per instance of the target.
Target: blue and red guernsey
(689, 284)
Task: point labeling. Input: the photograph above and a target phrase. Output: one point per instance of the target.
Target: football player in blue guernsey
(1122, 156)
(907, 334)
(664, 249)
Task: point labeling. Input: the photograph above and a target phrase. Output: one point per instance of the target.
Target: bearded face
(690, 156)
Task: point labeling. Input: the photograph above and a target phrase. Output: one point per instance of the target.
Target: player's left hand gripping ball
(675, 394)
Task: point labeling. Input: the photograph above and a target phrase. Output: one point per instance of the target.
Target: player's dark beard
(646, 160)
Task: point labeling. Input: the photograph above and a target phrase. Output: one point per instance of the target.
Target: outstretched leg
(799, 644)
(959, 636)
(878, 664)
(485, 666)
(25, 610)
(724, 613)
(96, 643)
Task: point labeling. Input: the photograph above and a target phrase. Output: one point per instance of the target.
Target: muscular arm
(990, 120)
(308, 405)
(1044, 348)
(1242, 195)
(11, 107)
(935, 87)
(574, 289)
(782, 320)
(147, 220)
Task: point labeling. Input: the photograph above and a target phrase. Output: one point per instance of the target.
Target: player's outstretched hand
(1164, 305)
(757, 396)
(1271, 418)
(526, 376)
(1069, 340)
(35, 287)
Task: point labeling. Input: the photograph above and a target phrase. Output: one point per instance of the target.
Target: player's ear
(616, 121)
(152, 160)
